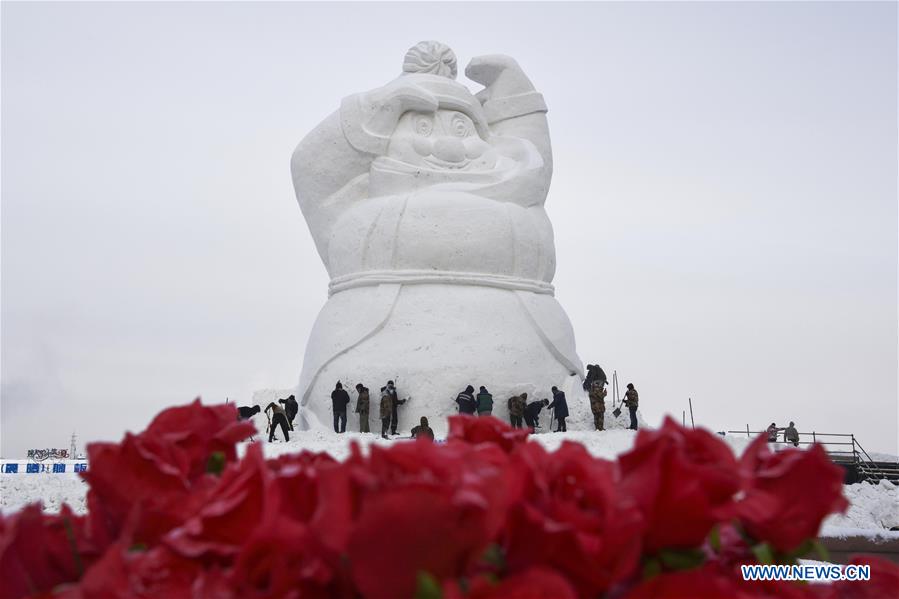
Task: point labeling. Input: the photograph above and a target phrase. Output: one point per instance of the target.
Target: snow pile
(18, 490)
(871, 506)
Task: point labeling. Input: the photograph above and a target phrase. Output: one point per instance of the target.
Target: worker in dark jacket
(395, 403)
(594, 374)
(290, 408)
(466, 401)
(247, 412)
(560, 407)
(362, 406)
(485, 402)
(791, 435)
(517, 404)
(339, 400)
(532, 413)
(423, 431)
(632, 400)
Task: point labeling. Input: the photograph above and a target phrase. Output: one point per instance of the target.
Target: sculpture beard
(441, 274)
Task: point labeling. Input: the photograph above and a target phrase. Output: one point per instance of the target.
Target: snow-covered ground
(873, 507)
(18, 490)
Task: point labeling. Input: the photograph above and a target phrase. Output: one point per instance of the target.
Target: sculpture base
(433, 340)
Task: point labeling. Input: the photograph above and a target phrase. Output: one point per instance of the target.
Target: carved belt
(371, 278)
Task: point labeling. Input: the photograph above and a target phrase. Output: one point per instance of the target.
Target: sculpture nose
(449, 149)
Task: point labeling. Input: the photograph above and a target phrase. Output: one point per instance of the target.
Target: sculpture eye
(424, 125)
(461, 126)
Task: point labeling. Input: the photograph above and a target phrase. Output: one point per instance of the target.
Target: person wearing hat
(598, 403)
(517, 404)
(632, 400)
(485, 402)
(560, 407)
(466, 401)
(339, 400)
(423, 431)
(395, 403)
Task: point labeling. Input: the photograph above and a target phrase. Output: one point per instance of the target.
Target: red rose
(474, 430)
(134, 494)
(281, 558)
(232, 510)
(570, 518)
(192, 433)
(150, 482)
(787, 494)
(534, 583)
(149, 574)
(408, 530)
(296, 480)
(681, 480)
(39, 552)
(415, 507)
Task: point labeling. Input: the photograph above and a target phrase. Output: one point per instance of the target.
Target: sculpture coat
(426, 206)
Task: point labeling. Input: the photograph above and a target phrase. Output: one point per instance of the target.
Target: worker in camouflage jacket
(386, 410)
(598, 404)
(632, 401)
(517, 404)
(362, 407)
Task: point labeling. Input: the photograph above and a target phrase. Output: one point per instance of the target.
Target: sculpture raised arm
(512, 104)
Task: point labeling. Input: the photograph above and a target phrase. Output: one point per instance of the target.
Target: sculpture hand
(387, 104)
(500, 75)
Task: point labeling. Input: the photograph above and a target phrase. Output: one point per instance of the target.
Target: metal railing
(841, 447)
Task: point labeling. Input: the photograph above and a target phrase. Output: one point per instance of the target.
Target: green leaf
(763, 553)
(685, 559)
(138, 547)
(73, 545)
(820, 550)
(651, 568)
(216, 463)
(427, 587)
(493, 556)
(801, 551)
(715, 539)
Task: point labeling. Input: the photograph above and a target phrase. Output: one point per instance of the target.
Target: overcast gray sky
(724, 200)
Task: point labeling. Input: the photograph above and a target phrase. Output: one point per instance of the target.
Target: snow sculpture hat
(452, 95)
(430, 57)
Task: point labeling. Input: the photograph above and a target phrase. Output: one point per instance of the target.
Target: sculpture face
(442, 140)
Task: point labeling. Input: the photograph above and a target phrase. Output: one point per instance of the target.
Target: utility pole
(693, 424)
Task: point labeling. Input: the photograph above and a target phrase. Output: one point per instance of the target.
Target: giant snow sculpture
(425, 202)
